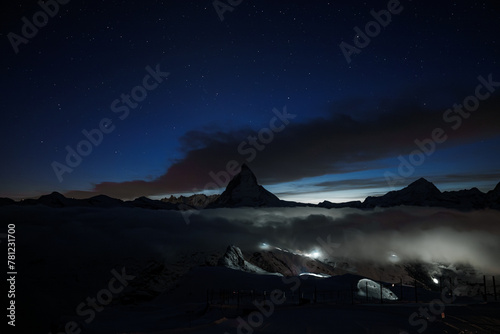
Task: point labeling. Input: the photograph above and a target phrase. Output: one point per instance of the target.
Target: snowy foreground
(179, 311)
(130, 270)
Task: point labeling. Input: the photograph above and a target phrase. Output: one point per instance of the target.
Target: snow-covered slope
(233, 258)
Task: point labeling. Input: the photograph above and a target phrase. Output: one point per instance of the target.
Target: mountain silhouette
(245, 191)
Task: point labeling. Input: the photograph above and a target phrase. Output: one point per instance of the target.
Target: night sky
(174, 92)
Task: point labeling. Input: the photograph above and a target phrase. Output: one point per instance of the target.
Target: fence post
(401, 288)
(494, 288)
(416, 294)
(381, 299)
(451, 288)
(484, 282)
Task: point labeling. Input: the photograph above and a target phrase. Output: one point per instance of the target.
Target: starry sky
(321, 100)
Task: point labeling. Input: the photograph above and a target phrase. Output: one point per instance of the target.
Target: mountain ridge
(243, 190)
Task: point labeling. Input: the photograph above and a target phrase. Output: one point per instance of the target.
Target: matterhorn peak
(244, 190)
(245, 177)
(244, 166)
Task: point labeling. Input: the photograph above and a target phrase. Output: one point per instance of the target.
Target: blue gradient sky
(352, 120)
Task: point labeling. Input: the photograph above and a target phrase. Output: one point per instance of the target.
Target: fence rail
(418, 292)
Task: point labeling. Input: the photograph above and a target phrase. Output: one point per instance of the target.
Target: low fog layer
(380, 235)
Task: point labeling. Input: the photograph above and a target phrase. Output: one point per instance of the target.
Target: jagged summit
(244, 190)
(246, 175)
(234, 259)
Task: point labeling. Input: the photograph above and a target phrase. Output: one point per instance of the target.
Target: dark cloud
(335, 144)
(381, 183)
(350, 184)
(112, 235)
(453, 178)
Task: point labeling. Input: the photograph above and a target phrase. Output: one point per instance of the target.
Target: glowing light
(315, 254)
(393, 258)
(263, 245)
(435, 280)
